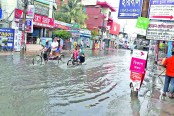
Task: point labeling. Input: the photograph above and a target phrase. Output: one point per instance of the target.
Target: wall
(95, 18)
(8, 6)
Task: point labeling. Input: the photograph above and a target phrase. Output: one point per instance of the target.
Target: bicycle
(38, 59)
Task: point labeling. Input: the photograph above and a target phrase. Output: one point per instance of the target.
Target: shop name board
(40, 8)
(62, 25)
(160, 30)
(85, 32)
(43, 21)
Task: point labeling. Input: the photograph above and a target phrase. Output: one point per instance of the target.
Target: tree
(72, 12)
(94, 33)
(63, 34)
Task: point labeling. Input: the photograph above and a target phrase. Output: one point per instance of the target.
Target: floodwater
(100, 87)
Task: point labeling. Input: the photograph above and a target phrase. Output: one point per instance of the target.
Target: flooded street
(98, 88)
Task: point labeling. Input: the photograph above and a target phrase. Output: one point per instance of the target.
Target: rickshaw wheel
(37, 60)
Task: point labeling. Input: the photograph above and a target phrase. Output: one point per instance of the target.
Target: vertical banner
(138, 62)
(0, 13)
(7, 36)
(29, 26)
(170, 45)
(30, 11)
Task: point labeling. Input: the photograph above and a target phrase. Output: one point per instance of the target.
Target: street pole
(23, 21)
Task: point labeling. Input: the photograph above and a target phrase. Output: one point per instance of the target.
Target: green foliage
(94, 33)
(72, 12)
(63, 34)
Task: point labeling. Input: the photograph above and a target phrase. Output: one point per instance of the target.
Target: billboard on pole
(130, 9)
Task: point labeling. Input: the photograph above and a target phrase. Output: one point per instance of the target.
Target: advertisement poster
(7, 37)
(29, 26)
(30, 11)
(138, 62)
(17, 40)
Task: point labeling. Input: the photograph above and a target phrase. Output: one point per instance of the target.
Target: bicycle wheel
(37, 60)
(69, 62)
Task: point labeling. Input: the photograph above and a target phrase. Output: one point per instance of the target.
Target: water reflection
(135, 104)
(54, 90)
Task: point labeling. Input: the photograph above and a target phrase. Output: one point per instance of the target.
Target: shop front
(42, 26)
(85, 36)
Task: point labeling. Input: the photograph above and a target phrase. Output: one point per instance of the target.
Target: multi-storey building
(99, 15)
(100, 18)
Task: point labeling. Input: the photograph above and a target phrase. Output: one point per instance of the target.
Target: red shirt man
(169, 79)
(169, 64)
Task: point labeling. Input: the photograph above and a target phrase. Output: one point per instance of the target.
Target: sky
(129, 24)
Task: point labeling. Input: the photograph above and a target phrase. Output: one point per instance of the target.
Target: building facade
(99, 15)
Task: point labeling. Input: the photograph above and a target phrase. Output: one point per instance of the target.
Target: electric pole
(23, 22)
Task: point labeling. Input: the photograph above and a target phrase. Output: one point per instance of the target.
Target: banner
(161, 30)
(30, 11)
(138, 62)
(29, 26)
(7, 37)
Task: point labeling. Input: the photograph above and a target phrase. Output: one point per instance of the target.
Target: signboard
(40, 8)
(130, 9)
(142, 23)
(62, 25)
(17, 40)
(138, 62)
(43, 21)
(30, 11)
(161, 9)
(29, 26)
(38, 20)
(0, 13)
(7, 36)
(160, 30)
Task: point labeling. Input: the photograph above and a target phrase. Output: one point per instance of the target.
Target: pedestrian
(169, 78)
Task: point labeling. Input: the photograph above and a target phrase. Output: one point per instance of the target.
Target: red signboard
(38, 20)
(115, 28)
(43, 21)
(18, 13)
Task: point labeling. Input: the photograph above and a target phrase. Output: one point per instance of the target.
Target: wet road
(98, 88)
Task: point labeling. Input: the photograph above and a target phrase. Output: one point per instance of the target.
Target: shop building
(43, 23)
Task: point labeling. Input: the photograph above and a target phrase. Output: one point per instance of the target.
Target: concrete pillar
(41, 32)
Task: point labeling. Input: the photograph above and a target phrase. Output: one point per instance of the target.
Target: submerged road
(100, 87)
